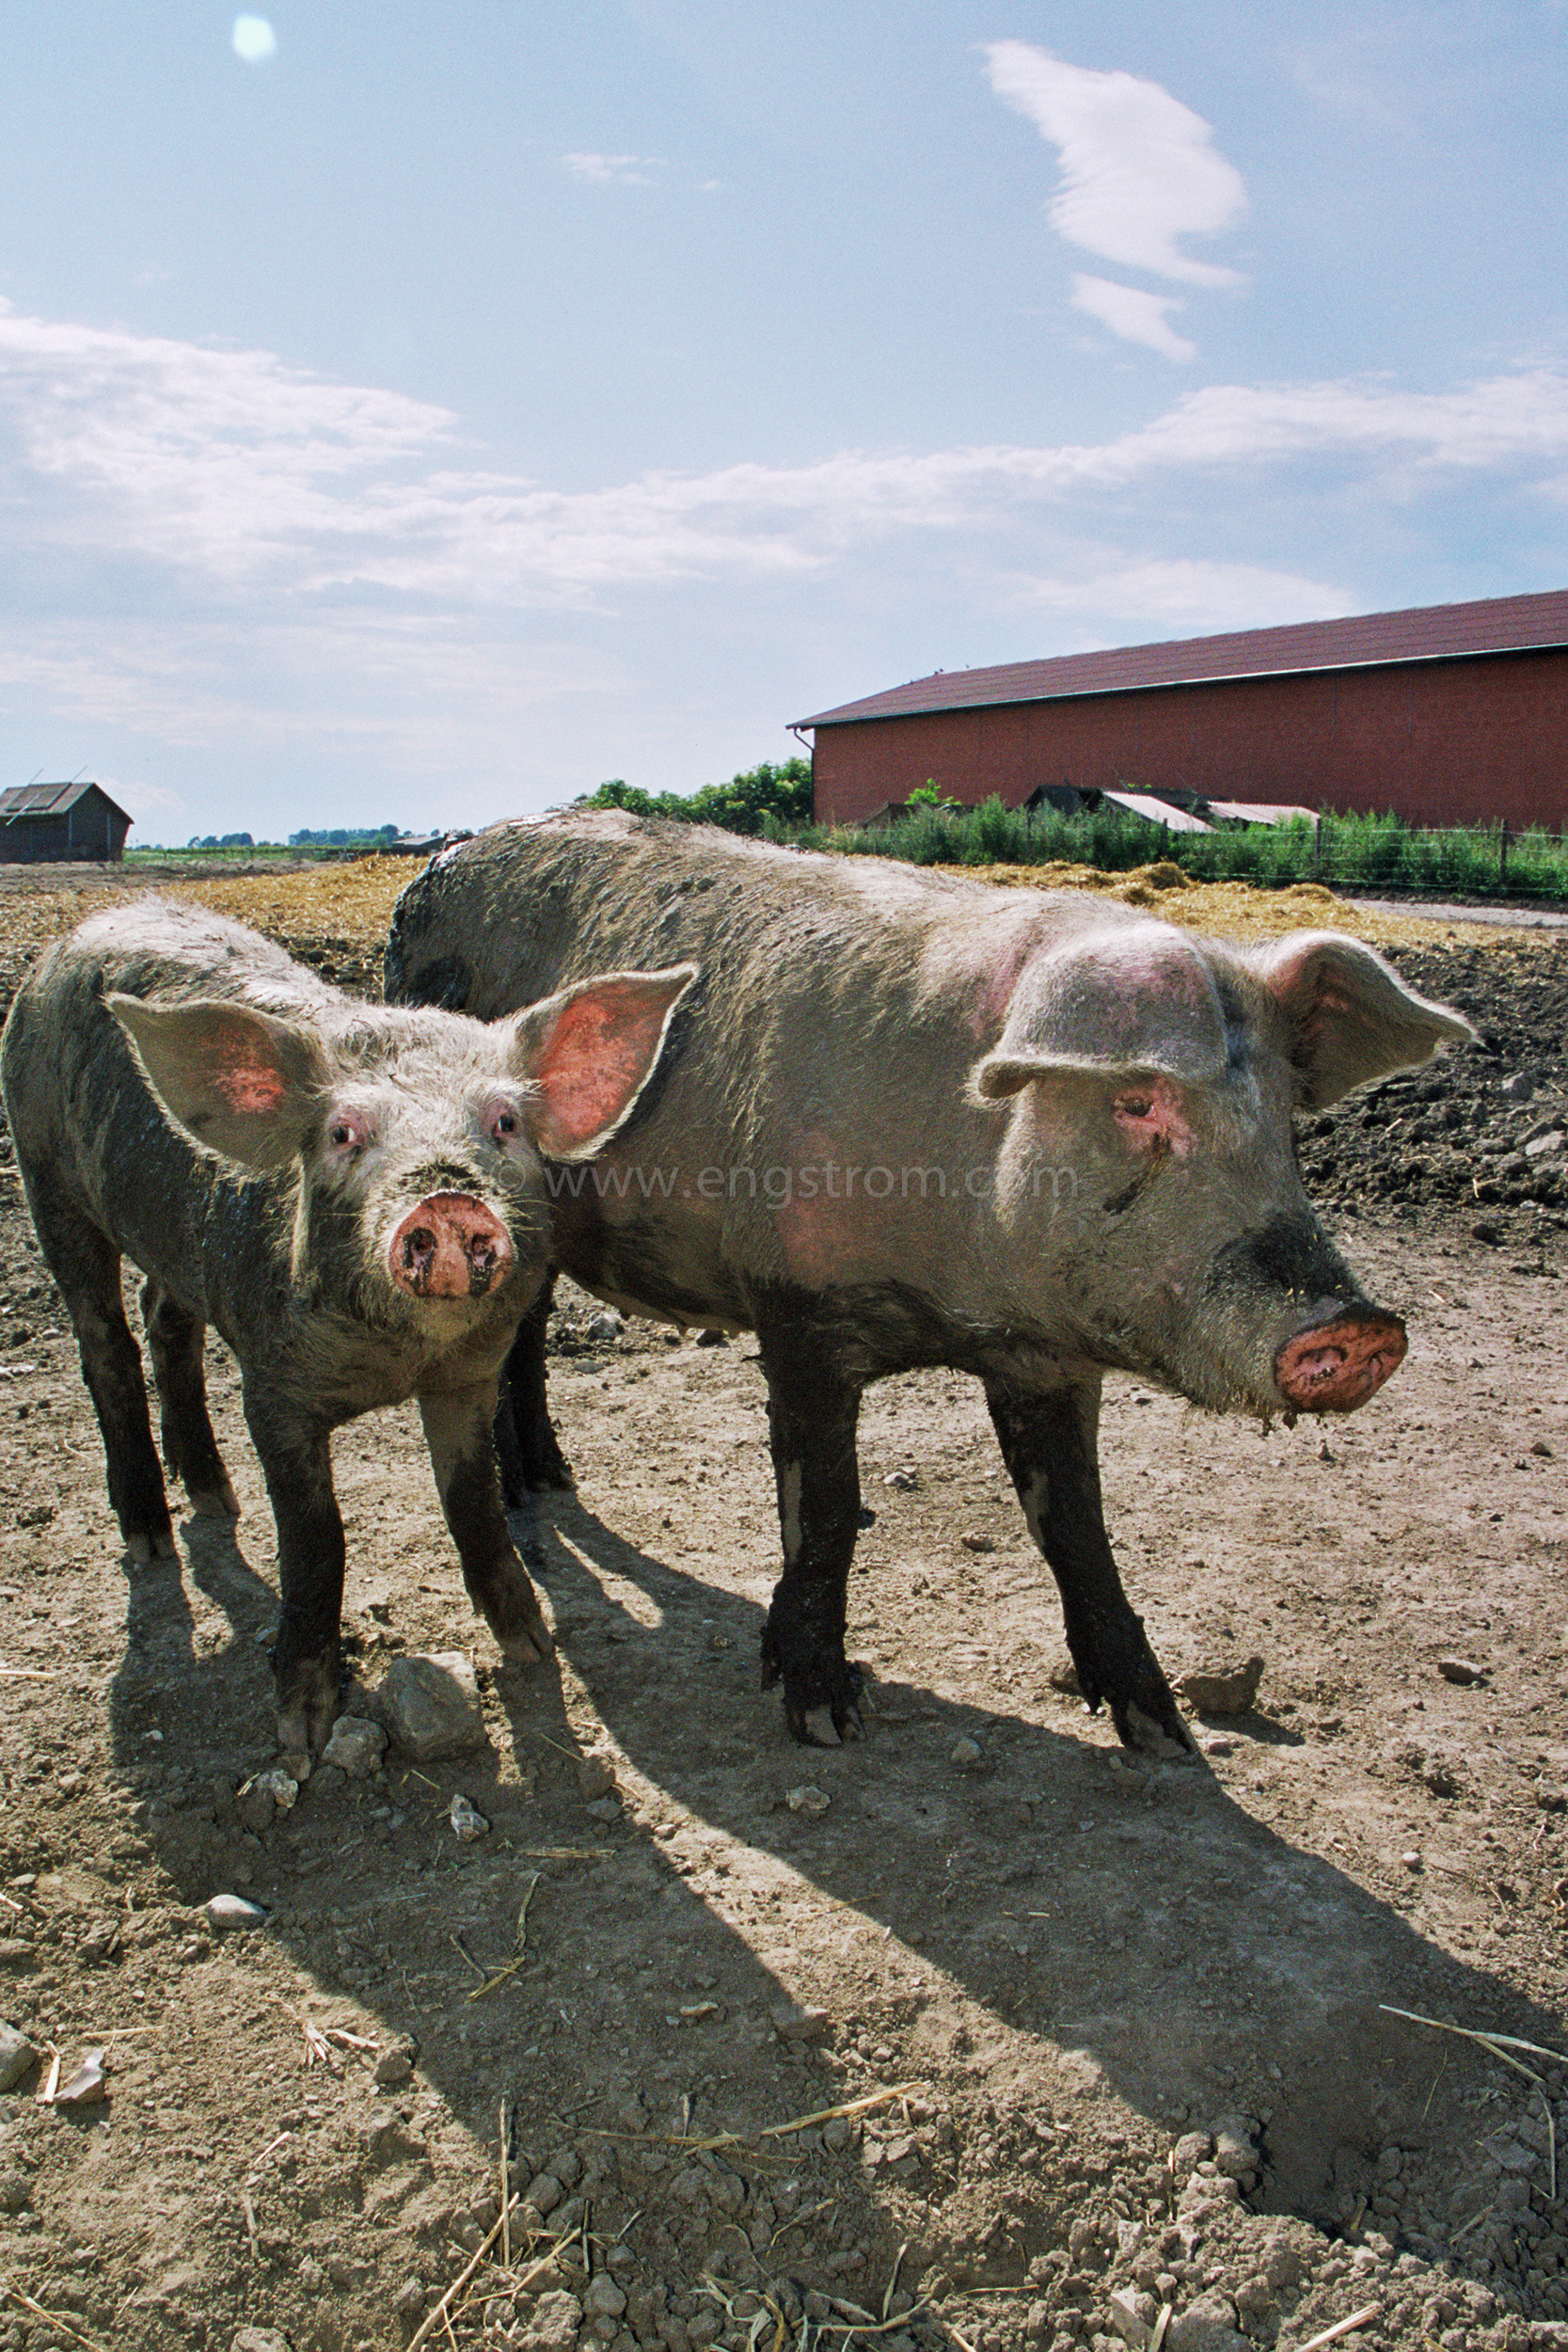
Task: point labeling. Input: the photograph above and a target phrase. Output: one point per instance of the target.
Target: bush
(763, 800)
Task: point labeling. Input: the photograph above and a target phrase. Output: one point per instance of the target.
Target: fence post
(1317, 849)
(1502, 858)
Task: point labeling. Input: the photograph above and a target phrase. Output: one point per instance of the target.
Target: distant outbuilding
(1446, 714)
(53, 823)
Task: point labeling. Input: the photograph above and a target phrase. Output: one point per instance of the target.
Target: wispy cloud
(1139, 169)
(1134, 313)
(205, 541)
(229, 468)
(606, 171)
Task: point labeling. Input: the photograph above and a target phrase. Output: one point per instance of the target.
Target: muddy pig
(912, 1121)
(352, 1195)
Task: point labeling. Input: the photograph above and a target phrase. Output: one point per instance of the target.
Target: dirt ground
(977, 2034)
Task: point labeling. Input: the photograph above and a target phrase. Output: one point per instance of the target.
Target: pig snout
(449, 1247)
(1336, 1365)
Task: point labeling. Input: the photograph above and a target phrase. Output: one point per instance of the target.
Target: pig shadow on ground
(1134, 1921)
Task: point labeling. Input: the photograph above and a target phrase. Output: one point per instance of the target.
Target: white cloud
(1139, 169)
(1191, 596)
(622, 171)
(228, 471)
(1131, 312)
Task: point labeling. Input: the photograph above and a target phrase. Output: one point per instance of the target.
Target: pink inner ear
(251, 1087)
(598, 1054)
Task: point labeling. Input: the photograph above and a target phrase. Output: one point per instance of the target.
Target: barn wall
(1452, 743)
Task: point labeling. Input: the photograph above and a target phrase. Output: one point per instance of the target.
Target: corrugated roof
(1428, 632)
(48, 800)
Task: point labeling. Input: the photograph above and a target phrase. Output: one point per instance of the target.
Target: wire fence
(1353, 852)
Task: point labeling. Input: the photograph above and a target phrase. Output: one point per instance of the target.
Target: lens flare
(254, 38)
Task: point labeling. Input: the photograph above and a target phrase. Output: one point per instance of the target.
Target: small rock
(393, 2068)
(976, 1542)
(1224, 1691)
(596, 1776)
(16, 2055)
(1518, 1086)
(1545, 1147)
(604, 2299)
(278, 1783)
(712, 1339)
(1461, 1670)
(1487, 1231)
(467, 1818)
(965, 1754)
(807, 1800)
(1192, 2149)
(356, 1747)
(260, 2340)
(606, 1324)
(230, 1912)
(1064, 1677)
(798, 2025)
(557, 2317)
(16, 2192)
(1127, 2319)
(904, 1481)
(545, 2193)
(605, 1809)
(1540, 1450)
(433, 1702)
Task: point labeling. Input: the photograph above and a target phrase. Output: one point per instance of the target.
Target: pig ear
(588, 1052)
(1107, 1009)
(1349, 1016)
(240, 1081)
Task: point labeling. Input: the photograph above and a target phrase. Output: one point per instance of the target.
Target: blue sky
(455, 406)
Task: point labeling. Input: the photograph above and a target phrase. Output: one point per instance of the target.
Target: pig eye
(347, 1132)
(1134, 1106)
(501, 1124)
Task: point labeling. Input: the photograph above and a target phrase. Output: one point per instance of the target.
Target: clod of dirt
(432, 1703)
(807, 1800)
(227, 1914)
(1224, 1691)
(16, 2055)
(596, 1776)
(356, 1747)
(1461, 1670)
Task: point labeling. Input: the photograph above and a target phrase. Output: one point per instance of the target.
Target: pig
(907, 1119)
(353, 1195)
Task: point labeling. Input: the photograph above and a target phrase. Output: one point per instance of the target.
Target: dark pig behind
(352, 1195)
(912, 1121)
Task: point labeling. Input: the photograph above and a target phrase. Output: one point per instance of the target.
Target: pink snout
(449, 1247)
(1337, 1365)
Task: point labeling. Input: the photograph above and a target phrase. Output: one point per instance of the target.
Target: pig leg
(294, 1451)
(85, 1265)
(1050, 1444)
(530, 1457)
(811, 1413)
(457, 1428)
(174, 1339)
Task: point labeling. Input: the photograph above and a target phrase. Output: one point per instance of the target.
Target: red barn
(1447, 714)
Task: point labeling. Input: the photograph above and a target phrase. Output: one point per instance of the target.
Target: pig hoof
(840, 1704)
(148, 1545)
(1168, 1740)
(214, 1503)
(528, 1650)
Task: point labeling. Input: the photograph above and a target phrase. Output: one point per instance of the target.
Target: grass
(1363, 852)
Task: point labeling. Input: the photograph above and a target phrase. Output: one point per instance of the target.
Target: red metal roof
(1428, 632)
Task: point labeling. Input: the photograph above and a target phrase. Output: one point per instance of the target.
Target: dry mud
(1082, 2039)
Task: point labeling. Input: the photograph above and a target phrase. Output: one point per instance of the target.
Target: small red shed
(1446, 714)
